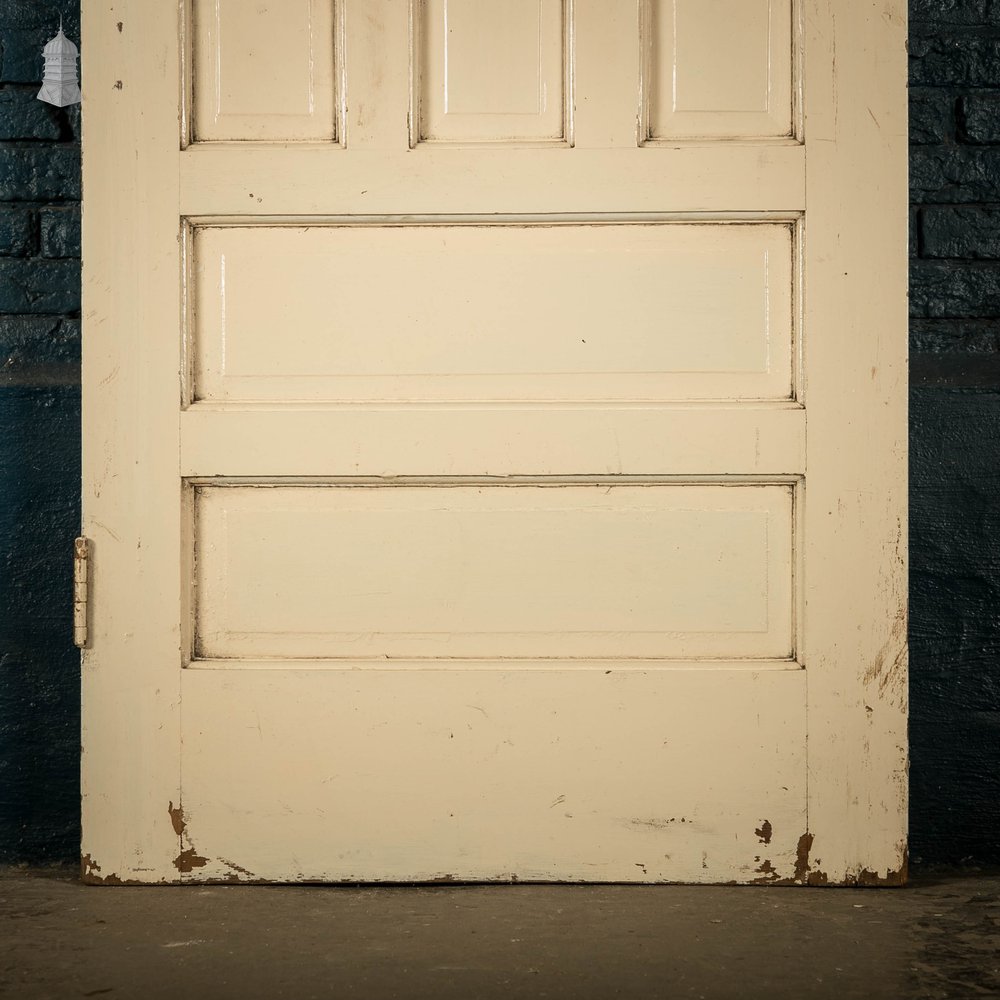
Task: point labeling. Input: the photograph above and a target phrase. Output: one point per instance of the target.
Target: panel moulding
(780, 120)
(685, 380)
(228, 649)
(321, 94)
(433, 117)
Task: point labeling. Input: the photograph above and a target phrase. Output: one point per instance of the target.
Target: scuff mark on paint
(888, 671)
(658, 823)
(237, 868)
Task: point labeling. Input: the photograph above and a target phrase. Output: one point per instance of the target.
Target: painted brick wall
(955, 429)
(39, 444)
(955, 438)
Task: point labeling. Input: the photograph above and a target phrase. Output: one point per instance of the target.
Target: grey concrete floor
(938, 938)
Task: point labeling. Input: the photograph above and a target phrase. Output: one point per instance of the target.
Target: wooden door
(495, 441)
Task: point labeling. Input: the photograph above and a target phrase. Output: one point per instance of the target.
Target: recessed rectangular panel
(719, 68)
(264, 71)
(484, 571)
(491, 70)
(493, 312)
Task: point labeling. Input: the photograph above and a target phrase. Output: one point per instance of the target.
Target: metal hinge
(81, 590)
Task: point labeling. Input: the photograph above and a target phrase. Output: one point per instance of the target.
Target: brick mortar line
(53, 376)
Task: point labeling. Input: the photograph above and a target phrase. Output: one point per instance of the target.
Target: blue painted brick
(971, 232)
(21, 55)
(950, 12)
(39, 668)
(70, 120)
(39, 173)
(979, 115)
(17, 231)
(25, 27)
(39, 14)
(954, 174)
(951, 336)
(968, 290)
(29, 341)
(23, 116)
(39, 287)
(932, 116)
(59, 228)
(39, 445)
(954, 624)
(959, 58)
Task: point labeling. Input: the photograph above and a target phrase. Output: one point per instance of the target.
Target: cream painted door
(495, 441)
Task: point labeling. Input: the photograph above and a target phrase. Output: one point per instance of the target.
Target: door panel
(270, 74)
(705, 82)
(364, 573)
(493, 72)
(495, 441)
(519, 311)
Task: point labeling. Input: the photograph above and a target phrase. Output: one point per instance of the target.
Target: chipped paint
(806, 873)
(177, 819)
(89, 870)
(763, 832)
(803, 873)
(892, 877)
(111, 879)
(188, 860)
(767, 872)
(802, 856)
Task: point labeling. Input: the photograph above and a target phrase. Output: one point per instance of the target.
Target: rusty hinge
(81, 590)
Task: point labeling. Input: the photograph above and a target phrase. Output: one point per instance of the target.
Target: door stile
(855, 343)
(131, 499)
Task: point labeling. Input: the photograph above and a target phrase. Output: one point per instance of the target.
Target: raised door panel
(719, 69)
(489, 572)
(491, 71)
(501, 312)
(266, 72)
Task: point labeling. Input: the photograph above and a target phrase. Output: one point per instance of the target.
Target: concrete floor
(939, 938)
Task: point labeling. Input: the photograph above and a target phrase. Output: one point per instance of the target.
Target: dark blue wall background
(955, 437)
(955, 430)
(39, 444)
